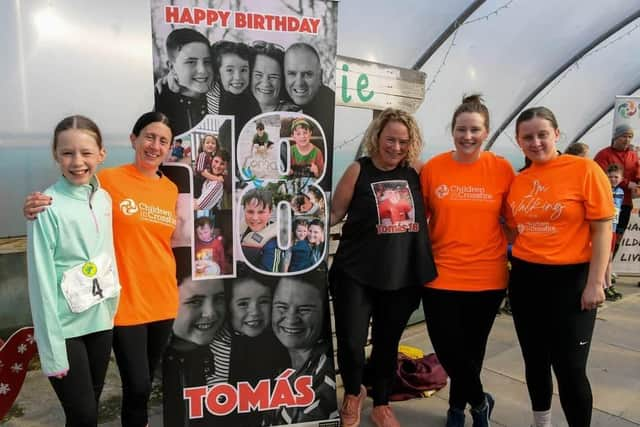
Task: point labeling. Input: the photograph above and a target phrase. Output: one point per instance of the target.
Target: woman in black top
(383, 259)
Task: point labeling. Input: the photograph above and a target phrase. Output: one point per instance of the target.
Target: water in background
(32, 168)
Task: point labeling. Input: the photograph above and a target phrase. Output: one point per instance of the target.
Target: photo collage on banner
(248, 87)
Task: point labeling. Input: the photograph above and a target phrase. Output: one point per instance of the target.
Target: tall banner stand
(248, 87)
(627, 259)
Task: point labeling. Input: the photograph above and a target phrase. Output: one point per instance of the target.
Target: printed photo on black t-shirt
(396, 211)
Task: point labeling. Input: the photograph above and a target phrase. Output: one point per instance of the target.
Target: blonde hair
(372, 134)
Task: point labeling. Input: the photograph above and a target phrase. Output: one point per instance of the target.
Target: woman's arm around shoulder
(35, 203)
(344, 193)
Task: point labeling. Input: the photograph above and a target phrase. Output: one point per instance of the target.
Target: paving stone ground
(614, 371)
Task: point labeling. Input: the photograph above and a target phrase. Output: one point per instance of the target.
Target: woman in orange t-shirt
(561, 208)
(464, 193)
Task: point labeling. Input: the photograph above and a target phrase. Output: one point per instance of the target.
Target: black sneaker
(609, 295)
(455, 418)
(482, 414)
(506, 308)
(615, 292)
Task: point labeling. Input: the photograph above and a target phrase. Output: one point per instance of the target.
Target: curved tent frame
(602, 37)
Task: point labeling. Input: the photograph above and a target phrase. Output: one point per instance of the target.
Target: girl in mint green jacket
(73, 278)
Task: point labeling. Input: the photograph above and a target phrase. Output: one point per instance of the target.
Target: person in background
(470, 252)
(234, 75)
(303, 82)
(209, 146)
(258, 240)
(561, 209)
(188, 359)
(378, 269)
(73, 280)
(250, 298)
(144, 218)
(300, 255)
(316, 239)
(210, 257)
(620, 152)
(317, 198)
(300, 321)
(615, 175)
(579, 149)
(267, 77)
(217, 184)
(260, 141)
(190, 76)
(307, 160)
(177, 152)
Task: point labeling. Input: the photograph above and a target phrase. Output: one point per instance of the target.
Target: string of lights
(455, 34)
(576, 65)
(490, 14)
(444, 61)
(348, 141)
(450, 46)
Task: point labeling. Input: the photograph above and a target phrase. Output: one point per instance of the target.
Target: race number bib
(90, 283)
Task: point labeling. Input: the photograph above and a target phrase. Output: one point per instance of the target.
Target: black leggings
(138, 351)
(459, 324)
(79, 391)
(354, 306)
(554, 333)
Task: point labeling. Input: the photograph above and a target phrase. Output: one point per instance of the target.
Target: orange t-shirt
(464, 203)
(551, 207)
(143, 220)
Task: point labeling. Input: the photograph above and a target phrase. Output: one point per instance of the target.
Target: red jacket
(628, 159)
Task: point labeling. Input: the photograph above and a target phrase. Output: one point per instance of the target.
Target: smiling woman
(470, 252)
(151, 144)
(372, 278)
(267, 83)
(300, 322)
(561, 207)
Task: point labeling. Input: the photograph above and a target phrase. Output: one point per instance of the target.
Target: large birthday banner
(248, 86)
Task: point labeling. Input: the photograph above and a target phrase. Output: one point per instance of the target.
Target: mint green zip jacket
(73, 230)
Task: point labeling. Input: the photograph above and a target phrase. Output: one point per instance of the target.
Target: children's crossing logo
(627, 109)
(462, 192)
(147, 212)
(442, 191)
(128, 207)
